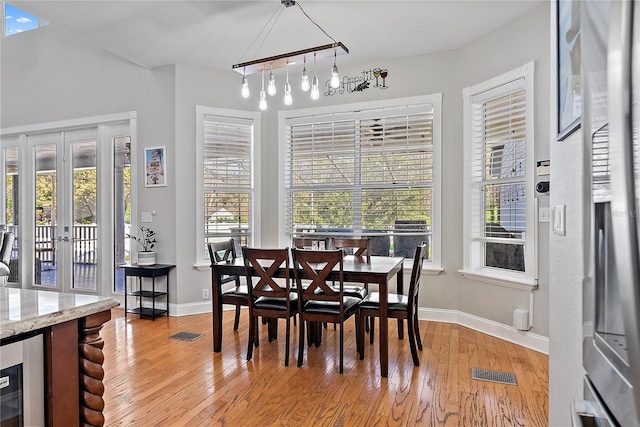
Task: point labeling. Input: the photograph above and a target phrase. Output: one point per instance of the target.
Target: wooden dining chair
(398, 307)
(321, 302)
(268, 298)
(307, 242)
(357, 247)
(239, 294)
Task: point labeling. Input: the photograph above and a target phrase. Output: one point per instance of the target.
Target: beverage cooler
(610, 63)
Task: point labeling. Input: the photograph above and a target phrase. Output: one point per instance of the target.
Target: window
(367, 171)
(17, 21)
(226, 142)
(499, 228)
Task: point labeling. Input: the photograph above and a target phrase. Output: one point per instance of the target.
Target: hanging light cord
(314, 22)
(273, 22)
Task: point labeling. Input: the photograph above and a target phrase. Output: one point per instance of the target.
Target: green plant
(147, 240)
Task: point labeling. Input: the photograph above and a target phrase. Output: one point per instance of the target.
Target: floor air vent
(493, 376)
(186, 336)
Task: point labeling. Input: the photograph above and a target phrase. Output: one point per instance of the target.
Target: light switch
(559, 220)
(146, 217)
(544, 215)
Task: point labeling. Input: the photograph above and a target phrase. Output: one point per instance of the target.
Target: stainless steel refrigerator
(610, 32)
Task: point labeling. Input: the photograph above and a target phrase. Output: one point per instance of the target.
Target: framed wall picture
(568, 51)
(155, 167)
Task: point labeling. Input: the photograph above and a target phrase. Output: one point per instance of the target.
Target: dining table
(374, 269)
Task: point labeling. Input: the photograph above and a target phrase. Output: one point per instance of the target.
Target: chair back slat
(315, 267)
(266, 263)
(360, 247)
(222, 251)
(307, 242)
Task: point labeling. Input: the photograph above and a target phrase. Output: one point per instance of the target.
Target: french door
(68, 210)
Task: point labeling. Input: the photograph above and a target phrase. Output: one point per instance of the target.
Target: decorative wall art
(569, 84)
(375, 78)
(155, 167)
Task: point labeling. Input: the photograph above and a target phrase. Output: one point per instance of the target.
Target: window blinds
(498, 163)
(360, 172)
(228, 189)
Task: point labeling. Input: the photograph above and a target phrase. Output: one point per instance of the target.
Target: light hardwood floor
(151, 380)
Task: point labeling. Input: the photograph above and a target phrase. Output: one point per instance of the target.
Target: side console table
(142, 294)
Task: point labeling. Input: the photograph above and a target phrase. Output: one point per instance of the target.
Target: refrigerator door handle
(623, 206)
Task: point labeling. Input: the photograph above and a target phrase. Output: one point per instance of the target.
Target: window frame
(433, 266)
(474, 267)
(231, 116)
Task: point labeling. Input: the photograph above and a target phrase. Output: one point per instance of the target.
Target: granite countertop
(25, 310)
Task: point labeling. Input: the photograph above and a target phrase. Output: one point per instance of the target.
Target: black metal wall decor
(374, 78)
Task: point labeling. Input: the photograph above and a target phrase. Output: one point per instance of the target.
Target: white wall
(51, 75)
(567, 264)
(40, 83)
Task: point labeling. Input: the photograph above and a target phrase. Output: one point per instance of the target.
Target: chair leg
(236, 320)
(252, 323)
(416, 328)
(286, 351)
(301, 343)
(360, 335)
(412, 342)
(372, 326)
(341, 345)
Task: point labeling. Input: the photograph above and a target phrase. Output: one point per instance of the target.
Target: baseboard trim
(508, 333)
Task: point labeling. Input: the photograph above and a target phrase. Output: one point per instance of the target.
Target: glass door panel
(84, 188)
(44, 237)
(121, 205)
(11, 204)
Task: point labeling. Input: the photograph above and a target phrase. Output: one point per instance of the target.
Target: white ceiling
(217, 34)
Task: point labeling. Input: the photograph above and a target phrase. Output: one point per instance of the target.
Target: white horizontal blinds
(601, 165)
(397, 150)
(323, 154)
(228, 190)
(499, 174)
(361, 172)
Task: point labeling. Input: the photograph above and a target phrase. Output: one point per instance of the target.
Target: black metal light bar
(279, 61)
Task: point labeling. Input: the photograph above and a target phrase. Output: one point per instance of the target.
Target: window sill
(202, 267)
(428, 269)
(508, 282)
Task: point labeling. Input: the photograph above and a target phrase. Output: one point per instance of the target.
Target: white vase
(146, 258)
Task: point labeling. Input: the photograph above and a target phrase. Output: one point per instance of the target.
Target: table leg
(153, 300)
(125, 294)
(216, 293)
(400, 289)
(384, 328)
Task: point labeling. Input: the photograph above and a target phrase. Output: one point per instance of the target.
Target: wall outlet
(146, 217)
(205, 293)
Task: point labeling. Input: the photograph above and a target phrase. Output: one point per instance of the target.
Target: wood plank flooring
(151, 380)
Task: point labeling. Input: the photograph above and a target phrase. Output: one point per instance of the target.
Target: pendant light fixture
(335, 77)
(287, 59)
(271, 89)
(263, 96)
(315, 89)
(245, 86)
(288, 99)
(304, 84)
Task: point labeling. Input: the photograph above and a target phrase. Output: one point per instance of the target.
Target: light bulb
(335, 78)
(315, 89)
(263, 100)
(271, 88)
(305, 86)
(288, 100)
(245, 87)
